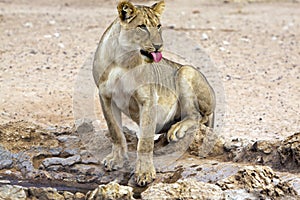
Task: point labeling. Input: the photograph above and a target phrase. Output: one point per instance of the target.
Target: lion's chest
(118, 86)
(122, 85)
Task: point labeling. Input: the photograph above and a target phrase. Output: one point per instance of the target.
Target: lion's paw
(115, 160)
(178, 130)
(144, 174)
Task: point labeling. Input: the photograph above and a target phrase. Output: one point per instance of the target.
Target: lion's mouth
(156, 56)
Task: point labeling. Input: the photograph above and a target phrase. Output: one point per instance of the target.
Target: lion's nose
(157, 46)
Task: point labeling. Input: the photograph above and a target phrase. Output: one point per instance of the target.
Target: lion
(158, 94)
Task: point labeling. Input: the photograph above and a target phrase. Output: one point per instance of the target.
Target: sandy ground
(45, 46)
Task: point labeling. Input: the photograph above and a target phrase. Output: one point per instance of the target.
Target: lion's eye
(143, 27)
(158, 26)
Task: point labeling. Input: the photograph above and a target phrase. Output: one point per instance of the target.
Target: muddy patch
(22, 136)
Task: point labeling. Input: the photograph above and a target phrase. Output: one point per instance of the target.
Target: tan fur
(163, 96)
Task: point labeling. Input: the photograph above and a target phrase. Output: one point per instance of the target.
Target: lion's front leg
(145, 170)
(115, 160)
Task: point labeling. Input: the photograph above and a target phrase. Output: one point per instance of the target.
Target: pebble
(28, 25)
(204, 36)
(244, 39)
(56, 35)
(222, 49)
(226, 42)
(47, 36)
(52, 22)
(61, 45)
(274, 38)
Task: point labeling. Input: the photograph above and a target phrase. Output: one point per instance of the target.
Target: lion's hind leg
(196, 99)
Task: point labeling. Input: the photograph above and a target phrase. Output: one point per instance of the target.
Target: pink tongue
(157, 56)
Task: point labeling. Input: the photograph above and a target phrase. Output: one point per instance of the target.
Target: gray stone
(55, 151)
(61, 161)
(71, 160)
(12, 192)
(6, 159)
(70, 152)
(45, 151)
(84, 126)
(52, 161)
(6, 164)
(55, 168)
(88, 158)
(67, 138)
(23, 162)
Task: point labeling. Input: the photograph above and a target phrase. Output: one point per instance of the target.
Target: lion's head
(141, 29)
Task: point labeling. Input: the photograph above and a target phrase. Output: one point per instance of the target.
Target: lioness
(156, 93)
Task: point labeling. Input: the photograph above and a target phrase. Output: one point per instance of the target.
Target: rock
(70, 152)
(68, 195)
(68, 138)
(240, 194)
(41, 152)
(6, 159)
(79, 196)
(258, 179)
(236, 143)
(44, 194)
(12, 192)
(24, 164)
(84, 126)
(4, 181)
(54, 151)
(52, 161)
(263, 146)
(206, 142)
(111, 191)
(61, 161)
(5, 164)
(88, 158)
(71, 160)
(183, 189)
(289, 150)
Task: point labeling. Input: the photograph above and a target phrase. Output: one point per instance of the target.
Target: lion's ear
(158, 8)
(127, 11)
